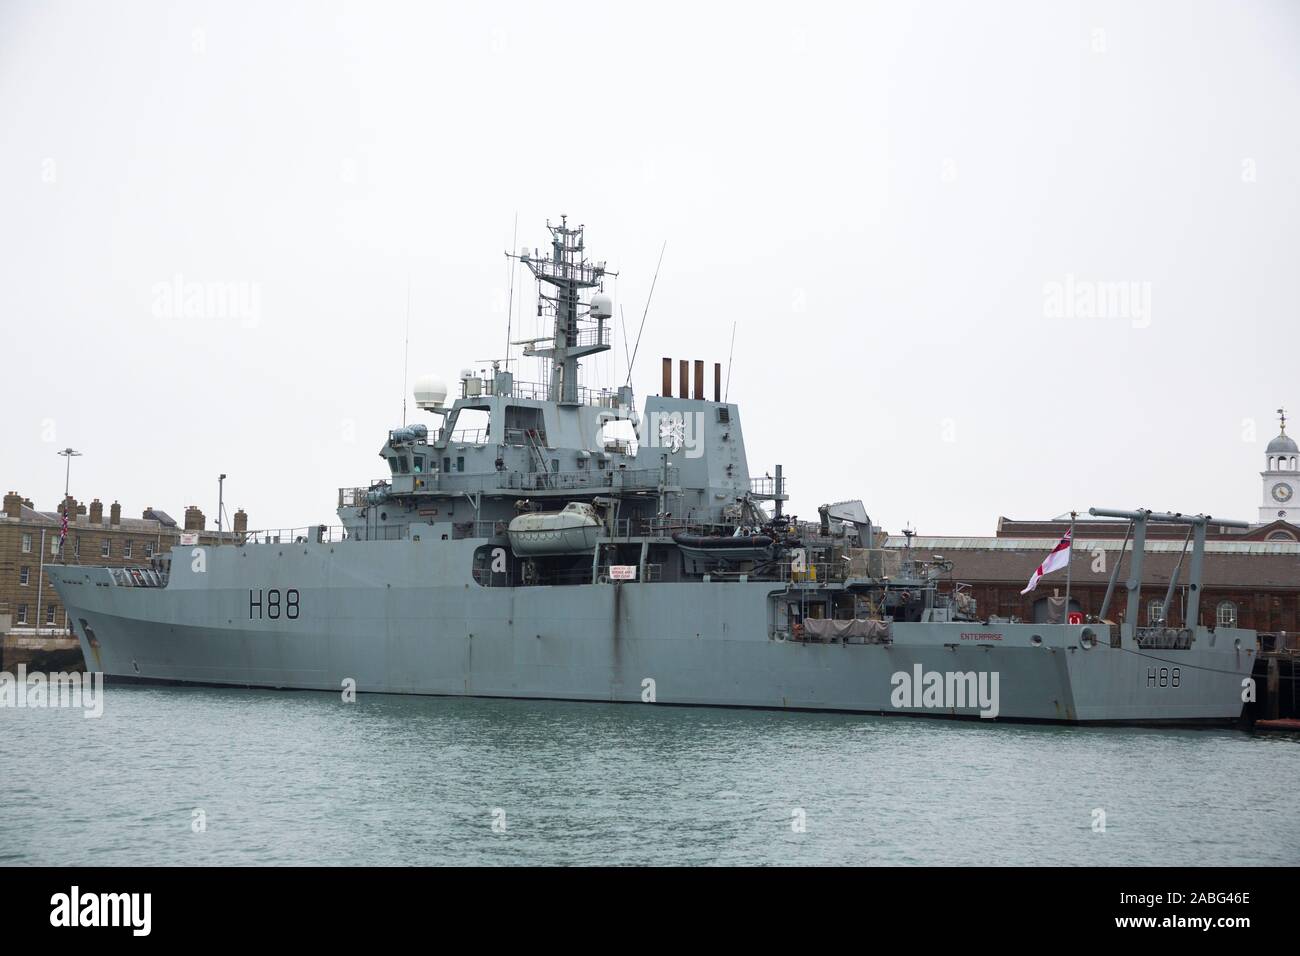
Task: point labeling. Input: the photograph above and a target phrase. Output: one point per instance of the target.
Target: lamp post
(69, 454)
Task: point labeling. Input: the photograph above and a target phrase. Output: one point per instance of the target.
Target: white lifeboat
(574, 530)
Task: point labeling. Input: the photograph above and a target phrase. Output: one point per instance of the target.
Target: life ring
(797, 631)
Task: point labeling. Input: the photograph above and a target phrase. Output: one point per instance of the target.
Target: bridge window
(419, 464)
(1226, 614)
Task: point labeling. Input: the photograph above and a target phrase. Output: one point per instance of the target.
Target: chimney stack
(81, 509)
(683, 378)
(194, 520)
(241, 522)
(668, 378)
(96, 512)
(699, 380)
(68, 507)
(717, 381)
(115, 514)
(14, 505)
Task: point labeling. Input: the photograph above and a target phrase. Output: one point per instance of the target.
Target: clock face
(1282, 491)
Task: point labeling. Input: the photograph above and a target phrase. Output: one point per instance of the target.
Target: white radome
(602, 306)
(430, 392)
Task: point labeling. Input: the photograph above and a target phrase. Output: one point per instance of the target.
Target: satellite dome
(602, 306)
(430, 392)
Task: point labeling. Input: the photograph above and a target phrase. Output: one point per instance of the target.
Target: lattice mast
(568, 273)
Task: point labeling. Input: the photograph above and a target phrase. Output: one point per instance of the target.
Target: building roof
(53, 519)
(1247, 564)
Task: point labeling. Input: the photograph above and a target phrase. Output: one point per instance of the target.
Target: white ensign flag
(1057, 559)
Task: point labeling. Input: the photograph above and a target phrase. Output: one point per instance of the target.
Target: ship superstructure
(521, 544)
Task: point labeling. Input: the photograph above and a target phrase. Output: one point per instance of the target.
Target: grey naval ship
(570, 547)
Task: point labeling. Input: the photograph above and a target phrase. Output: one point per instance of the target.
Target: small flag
(1057, 559)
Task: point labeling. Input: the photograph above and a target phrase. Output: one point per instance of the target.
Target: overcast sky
(920, 218)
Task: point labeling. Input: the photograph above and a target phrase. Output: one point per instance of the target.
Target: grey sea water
(303, 778)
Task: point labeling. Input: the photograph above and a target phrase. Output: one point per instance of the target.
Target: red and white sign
(188, 538)
(1075, 617)
(622, 572)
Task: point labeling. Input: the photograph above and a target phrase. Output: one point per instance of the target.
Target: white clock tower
(1281, 478)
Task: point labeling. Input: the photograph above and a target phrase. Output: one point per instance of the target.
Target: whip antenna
(645, 313)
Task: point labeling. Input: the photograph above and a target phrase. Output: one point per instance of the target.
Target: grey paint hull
(405, 617)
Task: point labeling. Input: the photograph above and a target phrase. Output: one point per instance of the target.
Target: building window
(22, 614)
(27, 544)
(148, 549)
(1226, 614)
(24, 575)
(1155, 613)
(105, 548)
(49, 614)
(76, 546)
(126, 548)
(54, 546)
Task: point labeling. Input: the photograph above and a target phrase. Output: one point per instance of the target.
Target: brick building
(1248, 582)
(1251, 576)
(29, 540)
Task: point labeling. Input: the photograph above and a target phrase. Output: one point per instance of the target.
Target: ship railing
(461, 530)
(590, 336)
(356, 497)
(1165, 638)
(565, 578)
(312, 534)
(541, 391)
(765, 487)
(810, 572)
(470, 436)
(665, 526)
(137, 577)
(637, 479)
(572, 271)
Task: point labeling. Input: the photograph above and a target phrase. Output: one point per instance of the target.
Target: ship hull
(404, 617)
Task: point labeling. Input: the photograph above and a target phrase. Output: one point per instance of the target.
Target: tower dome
(1284, 444)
